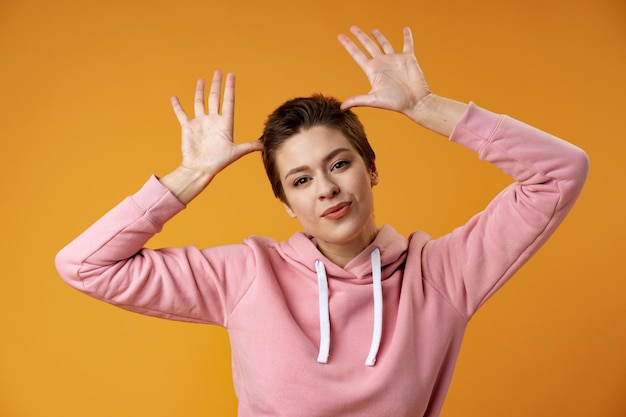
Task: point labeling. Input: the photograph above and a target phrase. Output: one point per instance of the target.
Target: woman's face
(328, 187)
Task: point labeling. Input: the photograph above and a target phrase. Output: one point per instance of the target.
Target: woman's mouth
(337, 211)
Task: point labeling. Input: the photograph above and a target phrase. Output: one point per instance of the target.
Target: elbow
(573, 166)
(582, 161)
(580, 167)
(575, 175)
(68, 268)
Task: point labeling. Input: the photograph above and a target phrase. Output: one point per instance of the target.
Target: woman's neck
(342, 253)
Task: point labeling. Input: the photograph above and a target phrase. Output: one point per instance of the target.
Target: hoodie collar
(300, 248)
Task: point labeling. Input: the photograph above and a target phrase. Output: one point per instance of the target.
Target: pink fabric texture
(265, 293)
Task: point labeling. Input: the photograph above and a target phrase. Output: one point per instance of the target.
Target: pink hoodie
(379, 337)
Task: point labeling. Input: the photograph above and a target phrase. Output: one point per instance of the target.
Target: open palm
(396, 79)
(207, 139)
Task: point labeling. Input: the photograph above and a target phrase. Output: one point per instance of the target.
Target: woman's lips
(337, 211)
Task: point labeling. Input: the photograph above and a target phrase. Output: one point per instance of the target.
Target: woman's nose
(327, 188)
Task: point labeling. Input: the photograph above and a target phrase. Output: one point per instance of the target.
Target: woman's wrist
(186, 183)
(439, 114)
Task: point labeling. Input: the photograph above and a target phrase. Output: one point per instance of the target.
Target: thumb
(245, 148)
(366, 100)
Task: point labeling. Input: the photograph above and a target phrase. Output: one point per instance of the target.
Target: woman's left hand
(396, 78)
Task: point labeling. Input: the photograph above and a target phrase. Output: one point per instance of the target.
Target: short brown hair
(300, 114)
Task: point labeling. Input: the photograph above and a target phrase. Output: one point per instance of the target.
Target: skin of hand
(398, 83)
(207, 139)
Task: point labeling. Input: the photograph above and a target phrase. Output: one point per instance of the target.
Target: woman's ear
(374, 176)
(289, 211)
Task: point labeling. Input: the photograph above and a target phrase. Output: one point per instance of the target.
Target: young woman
(345, 318)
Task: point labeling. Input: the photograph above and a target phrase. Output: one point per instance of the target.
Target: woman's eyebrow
(326, 159)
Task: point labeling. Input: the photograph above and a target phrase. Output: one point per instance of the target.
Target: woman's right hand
(207, 139)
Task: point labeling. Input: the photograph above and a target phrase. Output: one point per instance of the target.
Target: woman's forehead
(311, 146)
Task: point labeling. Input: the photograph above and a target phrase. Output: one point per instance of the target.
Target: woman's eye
(300, 181)
(340, 164)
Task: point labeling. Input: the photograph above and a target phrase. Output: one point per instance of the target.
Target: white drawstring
(378, 308)
(322, 283)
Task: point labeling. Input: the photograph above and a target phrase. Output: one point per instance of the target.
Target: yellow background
(85, 118)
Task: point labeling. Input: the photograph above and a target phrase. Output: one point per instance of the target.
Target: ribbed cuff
(157, 202)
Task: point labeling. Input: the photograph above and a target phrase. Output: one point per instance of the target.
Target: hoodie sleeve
(468, 265)
(108, 261)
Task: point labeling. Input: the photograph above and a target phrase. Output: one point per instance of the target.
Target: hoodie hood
(373, 265)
